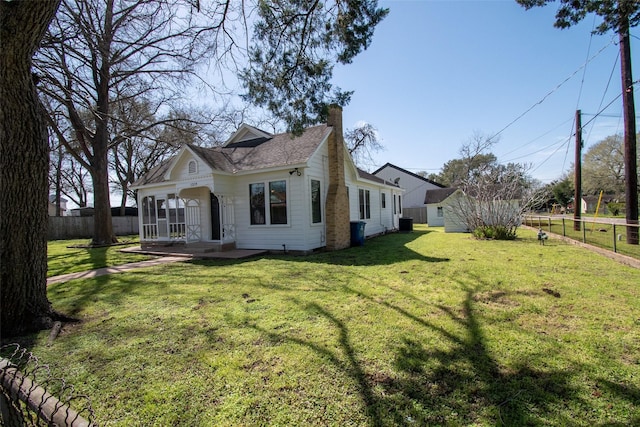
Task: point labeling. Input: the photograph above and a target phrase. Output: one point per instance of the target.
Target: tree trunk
(103, 226)
(24, 165)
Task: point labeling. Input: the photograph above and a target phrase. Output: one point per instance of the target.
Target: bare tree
(99, 53)
(492, 197)
(362, 142)
(76, 182)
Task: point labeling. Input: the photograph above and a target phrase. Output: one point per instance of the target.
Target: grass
(597, 234)
(424, 328)
(66, 257)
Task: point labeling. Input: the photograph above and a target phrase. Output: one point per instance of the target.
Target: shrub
(497, 232)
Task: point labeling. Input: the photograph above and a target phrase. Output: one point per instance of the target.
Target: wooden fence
(419, 215)
(80, 227)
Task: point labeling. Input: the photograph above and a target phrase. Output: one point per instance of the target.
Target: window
(365, 203)
(256, 193)
(193, 167)
(394, 204)
(316, 206)
(383, 200)
(278, 202)
(277, 209)
(399, 204)
(440, 212)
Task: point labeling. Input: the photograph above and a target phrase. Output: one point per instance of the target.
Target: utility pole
(577, 195)
(630, 148)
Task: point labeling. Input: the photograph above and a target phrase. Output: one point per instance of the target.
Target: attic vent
(193, 167)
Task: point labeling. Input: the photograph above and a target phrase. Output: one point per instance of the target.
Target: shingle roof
(415, 175)
(263, 153)
(371, 177)
(438, 195)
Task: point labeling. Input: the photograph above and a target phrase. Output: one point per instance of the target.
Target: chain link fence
(606, 233)
(31, 396)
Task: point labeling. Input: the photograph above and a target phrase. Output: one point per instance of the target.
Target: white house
(415, 187)
(435, 200)
(455, 210)
(264, 191)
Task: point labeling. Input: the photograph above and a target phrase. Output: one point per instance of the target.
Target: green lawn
(415, 329)
(65, 256)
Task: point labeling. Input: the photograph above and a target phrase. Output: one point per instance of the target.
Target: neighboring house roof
(371, 177)
(390, 165)
(438, 195)
(251, 151)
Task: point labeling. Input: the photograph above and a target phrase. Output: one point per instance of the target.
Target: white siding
(291, 236)
(432, 215)
(415, 188)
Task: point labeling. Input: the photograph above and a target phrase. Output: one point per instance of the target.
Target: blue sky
(439, 72)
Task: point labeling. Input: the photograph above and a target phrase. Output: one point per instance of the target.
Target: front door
(215, 218)
(192, 213)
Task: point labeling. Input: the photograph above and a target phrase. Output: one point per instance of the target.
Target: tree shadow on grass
(463, 384)
(345, 359)
(381, 250)
(467, 385)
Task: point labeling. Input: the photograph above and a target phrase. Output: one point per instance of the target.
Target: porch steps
(190, 248)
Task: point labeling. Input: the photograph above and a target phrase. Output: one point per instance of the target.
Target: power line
(544, 98)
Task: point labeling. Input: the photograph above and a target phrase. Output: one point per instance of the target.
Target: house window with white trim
(383, 200)
(316, 202)
(258, 211)
(276, 211)
(364, 197)
(278, 202)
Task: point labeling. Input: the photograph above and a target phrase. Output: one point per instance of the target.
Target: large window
(383, 200)
(365, 203)
(316, 205)
(258, 214)
(277, 200)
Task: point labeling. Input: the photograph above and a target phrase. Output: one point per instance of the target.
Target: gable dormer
(247, 136)
(186, 164)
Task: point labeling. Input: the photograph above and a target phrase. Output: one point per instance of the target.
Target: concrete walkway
(112, 270)
(165, 255)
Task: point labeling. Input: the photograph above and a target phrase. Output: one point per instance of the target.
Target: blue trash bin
(357, 233)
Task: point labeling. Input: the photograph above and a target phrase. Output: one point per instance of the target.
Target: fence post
(615, 237)
(564, 233)
(584, 233)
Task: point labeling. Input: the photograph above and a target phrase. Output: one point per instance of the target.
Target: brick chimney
(337, 207)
